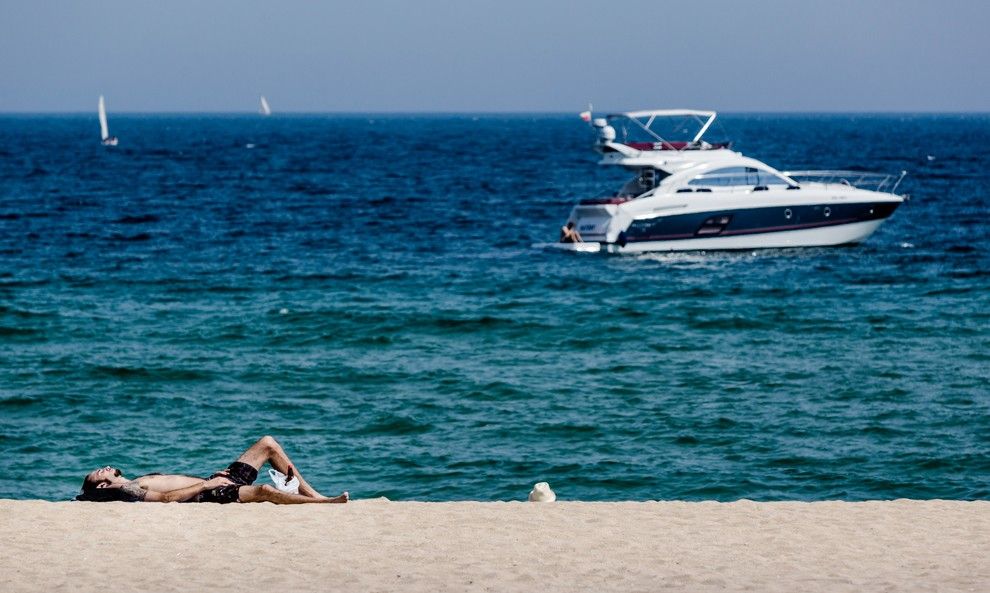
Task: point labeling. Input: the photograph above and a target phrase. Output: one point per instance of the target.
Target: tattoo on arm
(134, 491)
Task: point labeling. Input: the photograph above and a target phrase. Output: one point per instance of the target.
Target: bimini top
(655, 129)
(665, 113)
(647, 118)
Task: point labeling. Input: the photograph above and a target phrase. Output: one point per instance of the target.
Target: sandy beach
(376, 545)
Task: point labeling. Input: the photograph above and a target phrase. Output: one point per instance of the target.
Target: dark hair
(91, 492)
(570, 224)
(91, 485)
(105, 495)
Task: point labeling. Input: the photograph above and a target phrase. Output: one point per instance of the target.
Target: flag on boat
(586, 116)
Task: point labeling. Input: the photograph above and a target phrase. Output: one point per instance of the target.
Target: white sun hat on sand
(542, 493)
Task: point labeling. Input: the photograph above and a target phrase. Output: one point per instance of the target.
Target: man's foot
(342, 498)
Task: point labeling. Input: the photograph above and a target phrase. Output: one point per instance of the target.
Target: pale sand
(563, 546)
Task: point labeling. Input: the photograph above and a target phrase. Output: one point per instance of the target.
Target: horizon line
(490, 112)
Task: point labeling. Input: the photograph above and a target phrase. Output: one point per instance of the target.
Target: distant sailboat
(105, 136)
(265, 109)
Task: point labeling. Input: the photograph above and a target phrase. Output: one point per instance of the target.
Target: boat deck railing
(879, 182)
(758, 180)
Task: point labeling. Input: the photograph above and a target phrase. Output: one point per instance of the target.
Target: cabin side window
(769, 179)
(737, 176)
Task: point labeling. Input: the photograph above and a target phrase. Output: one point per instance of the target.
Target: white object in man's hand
(288, 484)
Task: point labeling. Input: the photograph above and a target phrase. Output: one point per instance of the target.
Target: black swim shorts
(241, 474)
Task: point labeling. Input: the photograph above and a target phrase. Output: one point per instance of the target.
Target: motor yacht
(691, 194)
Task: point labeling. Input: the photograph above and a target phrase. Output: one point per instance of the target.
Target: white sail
(104, 130)
(265, 109)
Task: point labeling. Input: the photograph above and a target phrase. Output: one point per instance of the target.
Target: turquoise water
(366, 289)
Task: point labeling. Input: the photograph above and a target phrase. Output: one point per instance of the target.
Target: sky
(494, 56)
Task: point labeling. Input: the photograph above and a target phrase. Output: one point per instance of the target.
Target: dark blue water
(366, 290)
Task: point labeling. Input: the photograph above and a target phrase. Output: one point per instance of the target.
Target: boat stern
(599, 223)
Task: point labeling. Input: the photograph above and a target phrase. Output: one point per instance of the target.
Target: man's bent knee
(266, 443)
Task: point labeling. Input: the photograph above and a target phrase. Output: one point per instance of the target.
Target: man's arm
(186, 493)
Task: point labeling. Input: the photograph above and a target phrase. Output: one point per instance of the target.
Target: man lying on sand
(233, 484)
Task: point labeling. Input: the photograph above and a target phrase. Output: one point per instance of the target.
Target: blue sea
(366, 289)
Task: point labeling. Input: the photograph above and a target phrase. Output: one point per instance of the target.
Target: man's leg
(268, 493)
(268, 450)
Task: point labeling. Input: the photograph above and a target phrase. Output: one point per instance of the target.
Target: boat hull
(845, 234)
(811, 224)
(826, 236)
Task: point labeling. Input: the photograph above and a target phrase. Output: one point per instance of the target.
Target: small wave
(471, 323)
(723, 423)
(672, 346)
(476, 463)
(880, 319)
(568, 430)
(581, 343)
(377, 340)
(968, 274)
(881, 280)
(729, 323)
(494, 391)
(394, 426)
(311, 190)
(613, 369)
(191, 185)
(139, 237)
(934, 464)
(26, 314)
(18, 401)
(631, 313)
(883, 431)
(222, 289)
(951, 290)
(323, 277)
(382, 201)
(78, 280)
(20, 332)
(150, 373)
(626, 482)
(142, 219)
(792, 461)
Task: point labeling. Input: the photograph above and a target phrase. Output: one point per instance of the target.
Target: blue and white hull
(617, 229)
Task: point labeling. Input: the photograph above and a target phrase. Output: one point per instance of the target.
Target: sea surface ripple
(366, 289)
